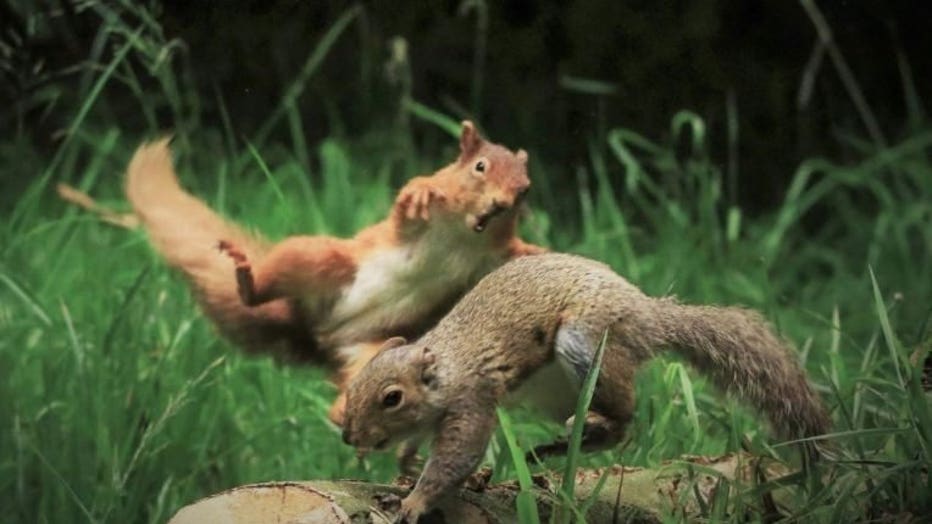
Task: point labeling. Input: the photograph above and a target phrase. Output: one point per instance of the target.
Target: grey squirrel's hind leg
(613, 400)
(599, 433)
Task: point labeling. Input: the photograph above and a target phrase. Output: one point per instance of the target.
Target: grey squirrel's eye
(480, 166)
(392, 399)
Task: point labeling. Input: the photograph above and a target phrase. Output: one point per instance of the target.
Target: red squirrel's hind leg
(245, 283)
(293, 268)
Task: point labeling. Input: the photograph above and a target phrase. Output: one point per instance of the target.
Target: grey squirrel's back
(553, 265)
(530, 284)
(528, 294)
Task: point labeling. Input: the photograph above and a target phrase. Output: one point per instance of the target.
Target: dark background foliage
(654, 59)
(713, 150)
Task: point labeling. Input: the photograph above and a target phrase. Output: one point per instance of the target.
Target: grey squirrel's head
(387, 400)
(494, 172)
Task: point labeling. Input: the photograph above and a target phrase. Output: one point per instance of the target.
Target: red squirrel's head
(494, 177)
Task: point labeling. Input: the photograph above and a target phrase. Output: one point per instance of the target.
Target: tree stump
(685, 487)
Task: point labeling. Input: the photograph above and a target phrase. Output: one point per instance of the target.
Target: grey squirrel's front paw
(407, 511)
(412, 507)
(388, 501)
(393, 504)
(406, 517)
(409, 462)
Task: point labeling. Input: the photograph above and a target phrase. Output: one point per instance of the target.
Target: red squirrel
(334, 301)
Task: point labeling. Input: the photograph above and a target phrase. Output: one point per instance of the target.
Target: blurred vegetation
(524, 69)
(698, 148)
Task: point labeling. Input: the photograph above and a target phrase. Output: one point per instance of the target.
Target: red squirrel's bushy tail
(186, 232)
(741, 353)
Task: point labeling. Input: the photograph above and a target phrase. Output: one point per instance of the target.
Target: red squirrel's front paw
(414, 202)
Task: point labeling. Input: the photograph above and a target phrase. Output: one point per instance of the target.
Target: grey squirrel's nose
(346, 436)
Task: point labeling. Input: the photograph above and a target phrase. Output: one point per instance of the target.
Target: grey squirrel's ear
(426, 360)
(470, 141)
(393, 343)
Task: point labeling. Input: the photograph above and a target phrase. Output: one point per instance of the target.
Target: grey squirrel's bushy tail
(742, 355)
(186, 232)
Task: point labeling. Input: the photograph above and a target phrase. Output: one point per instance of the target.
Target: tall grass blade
(27, 297)
(526, 503)
(568, 484)
(294, 91)
(892, 344)
(267, 172)
(452, 127)
(29, 200)
(64, 482)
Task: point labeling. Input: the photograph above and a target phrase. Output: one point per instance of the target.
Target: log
(684, 487)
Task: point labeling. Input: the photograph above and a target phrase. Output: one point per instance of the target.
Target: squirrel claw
(230, 250)
(415, 202)
(410, 512)
(388, 501)
(479, 480)
(558, 447)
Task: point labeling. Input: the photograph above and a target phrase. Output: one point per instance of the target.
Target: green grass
(118, 403)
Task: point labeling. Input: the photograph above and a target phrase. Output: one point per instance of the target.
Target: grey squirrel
(527, 333)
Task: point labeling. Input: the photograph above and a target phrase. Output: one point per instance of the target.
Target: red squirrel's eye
(480, 166)
(392, 399)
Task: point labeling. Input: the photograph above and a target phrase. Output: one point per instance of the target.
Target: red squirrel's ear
(393, 343)
(522, 156)
(470, 141)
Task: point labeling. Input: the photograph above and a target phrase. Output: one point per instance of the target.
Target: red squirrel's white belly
(398, 287)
